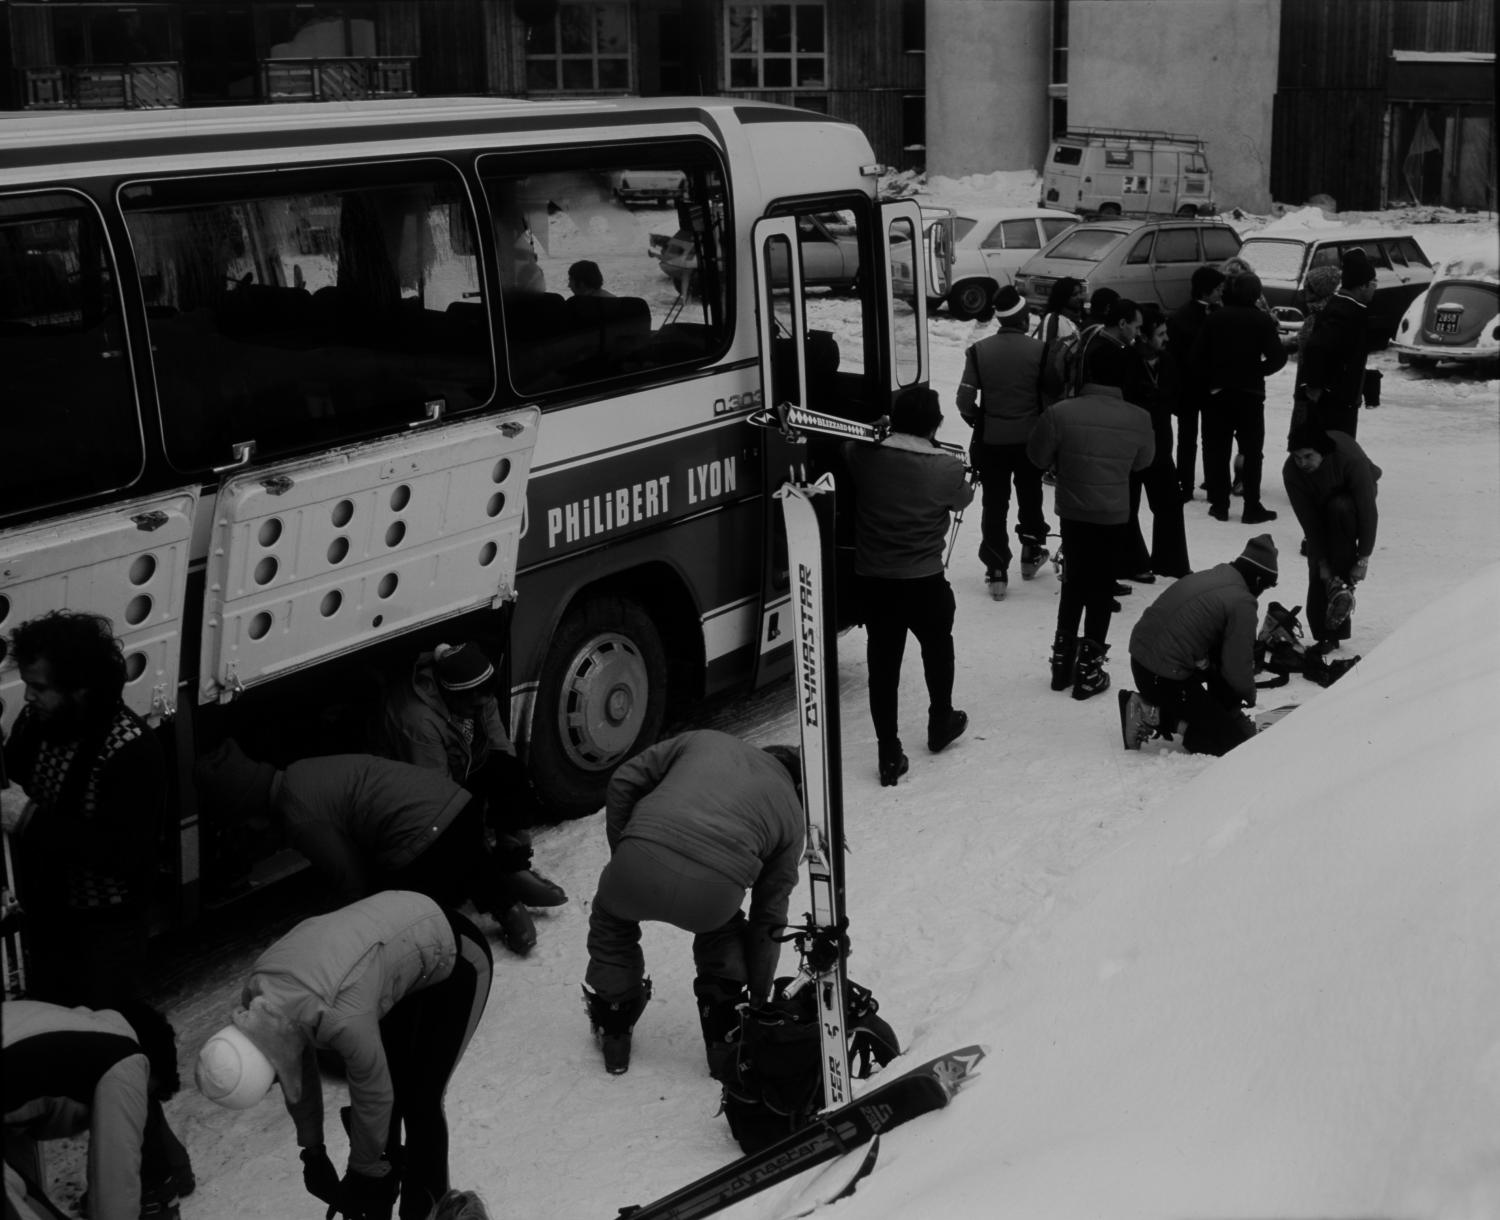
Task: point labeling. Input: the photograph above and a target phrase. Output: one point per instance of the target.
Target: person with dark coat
(1096, 441)
(904, 489)
(446, 717)
(1168, 553)
(394, 986)
(1332, 484)
(1192, 655)
(364, 823)
(68, 1071)
(1331, 370)
(1188, 389)
(1000, 398)
(1238, 347)
(693, 823)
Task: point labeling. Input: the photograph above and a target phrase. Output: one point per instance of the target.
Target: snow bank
(1280, 997)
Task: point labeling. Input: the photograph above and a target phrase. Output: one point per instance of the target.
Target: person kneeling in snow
(693, 822)
(394, 985)
(1193, 656)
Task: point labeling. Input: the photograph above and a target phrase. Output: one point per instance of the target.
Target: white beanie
(232, 1071)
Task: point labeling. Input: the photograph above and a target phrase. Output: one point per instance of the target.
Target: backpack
(774, 1084)
(1060, 362)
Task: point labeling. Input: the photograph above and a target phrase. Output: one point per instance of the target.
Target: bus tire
(601, 698)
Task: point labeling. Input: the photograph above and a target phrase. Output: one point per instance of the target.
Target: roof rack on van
(1131, 133)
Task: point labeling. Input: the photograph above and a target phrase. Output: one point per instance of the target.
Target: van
(1117, 171)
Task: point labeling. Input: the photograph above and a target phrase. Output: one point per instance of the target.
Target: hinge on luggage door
(149, 521)
(277, 484)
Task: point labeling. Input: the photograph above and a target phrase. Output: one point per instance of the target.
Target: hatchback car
(1457, 319)
(827, 242)
(989, 246)
(1283, 261)
(1143, 260)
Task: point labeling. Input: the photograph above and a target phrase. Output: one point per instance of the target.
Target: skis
(823, 941)
(835, 1182)
(792, 422)
(929, 1086)
(12, 951)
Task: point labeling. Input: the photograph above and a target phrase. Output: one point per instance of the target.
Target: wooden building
(854, 59)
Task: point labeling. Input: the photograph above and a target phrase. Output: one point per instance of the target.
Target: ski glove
(369, 1198)
(1360, 570)
(320, 1177)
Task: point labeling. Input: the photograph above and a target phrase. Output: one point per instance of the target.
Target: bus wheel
(602, 697)
(970, 299)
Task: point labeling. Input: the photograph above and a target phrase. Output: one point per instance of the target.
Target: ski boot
(944, 728)
(1089, 678)
(613, 1022)
(1139, 720)
(719, 1004)
(893, 763)
(1064, 658)
(1033, 556)
(997, 583)
(517, 928)
(530, 887)
(1340, 604)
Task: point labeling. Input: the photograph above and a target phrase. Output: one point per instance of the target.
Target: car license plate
(1447, 324)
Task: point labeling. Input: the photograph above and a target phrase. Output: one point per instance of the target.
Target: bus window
(905, 340)
(308, 308)
(69, 426)
(664, 291)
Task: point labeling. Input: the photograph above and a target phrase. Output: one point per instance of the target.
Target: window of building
(584, 48)
(105, 35)
(309, 307)
(914, 122)
(777, 45)
(914, 25)
(70, 409)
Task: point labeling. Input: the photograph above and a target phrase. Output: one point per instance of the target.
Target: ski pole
(958, 518)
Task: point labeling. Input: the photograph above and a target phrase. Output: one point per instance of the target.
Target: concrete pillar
(988, 65)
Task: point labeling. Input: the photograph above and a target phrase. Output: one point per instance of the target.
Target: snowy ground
(1264, 986)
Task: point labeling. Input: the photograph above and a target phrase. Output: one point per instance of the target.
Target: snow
(1266, 985)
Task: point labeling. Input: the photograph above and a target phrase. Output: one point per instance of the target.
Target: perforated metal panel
(321, 556)
(128, 563)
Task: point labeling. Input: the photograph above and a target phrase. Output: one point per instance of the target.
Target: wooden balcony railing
(336, 80)
(138, 86)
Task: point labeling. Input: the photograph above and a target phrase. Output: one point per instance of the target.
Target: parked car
(829, 251)
(988, 247)
(1143, 260)
(648, 185)
(1119, 171)
(937, 247)
(1457, 318)
(1283, 260)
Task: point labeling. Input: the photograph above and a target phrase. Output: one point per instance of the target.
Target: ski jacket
(904, 488)
(1183, 327)
(358, 818)
(71, 1069)
(90, 847)
(1000, 394)
(1206, 620)
(423, 731)
(726, 805)
(1333, 359)
(1347, 471)
(1237, 348)
(333, 978)
(1095, 440)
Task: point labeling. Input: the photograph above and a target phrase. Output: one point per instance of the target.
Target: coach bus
(290, 393)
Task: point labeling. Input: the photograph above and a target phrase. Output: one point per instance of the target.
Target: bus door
(320, 556)
(128, 563)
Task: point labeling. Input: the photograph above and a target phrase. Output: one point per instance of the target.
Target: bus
(291, 393)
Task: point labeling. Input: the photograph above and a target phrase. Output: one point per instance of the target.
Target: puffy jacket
(422, 731)
(1205, 619)
(726, 805)
(1333, 358)
(54, 1056)
(1095, 440)
(334, 977)
(1346, 471)
(904, 489)
(1001, 388)
(1237, 349)
(357, 817)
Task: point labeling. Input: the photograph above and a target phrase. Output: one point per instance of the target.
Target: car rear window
(1219, 244)
(1088, 246)
(1275, 260)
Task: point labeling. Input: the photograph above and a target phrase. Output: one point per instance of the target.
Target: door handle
(244, 454)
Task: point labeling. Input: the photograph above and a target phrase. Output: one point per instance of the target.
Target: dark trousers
(458, 866)
(1233, 416)
(651, 882)
(924, 606)
(1339, 544)
(1000, 466)
(1090, 558)
(1188, 413)
(1168, 553)
(1215, 723)
(424, 1036)
(1334, 413)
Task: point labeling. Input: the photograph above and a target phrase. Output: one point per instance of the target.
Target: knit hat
(1261, 552)
(916, 411)
(1321, 282)
(461, 666)
(232, 1072)
(1357, 270)
(1308, 436)
(238, 788)
(1008, 302)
